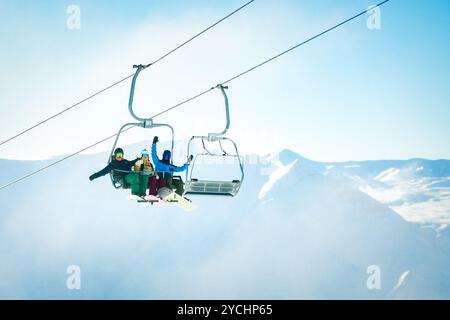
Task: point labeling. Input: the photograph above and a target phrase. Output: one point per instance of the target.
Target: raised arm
(154, 154)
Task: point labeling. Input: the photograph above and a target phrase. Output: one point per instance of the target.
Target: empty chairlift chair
(196, 186)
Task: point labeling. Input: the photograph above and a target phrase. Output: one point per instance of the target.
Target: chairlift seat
(209, 187)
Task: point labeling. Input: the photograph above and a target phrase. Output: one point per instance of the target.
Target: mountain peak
(287, 156)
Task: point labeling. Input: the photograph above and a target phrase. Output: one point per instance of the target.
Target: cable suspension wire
(203, 92)
(66, 109)
(61, 160)
(205, 30)
(125, 78)
(274, 57)
(303, 43)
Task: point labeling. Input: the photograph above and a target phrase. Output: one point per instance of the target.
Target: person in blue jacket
(165, 169)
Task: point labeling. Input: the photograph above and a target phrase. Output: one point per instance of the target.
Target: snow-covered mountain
(417, 189)
(297, 229)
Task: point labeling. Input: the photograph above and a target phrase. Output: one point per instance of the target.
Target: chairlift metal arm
(188, 154)
(241, 165)
(214, 136)
(142, 124)
(139, 124)
(133, 86)
(146, 123)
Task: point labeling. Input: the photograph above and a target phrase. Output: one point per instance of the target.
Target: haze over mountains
(297, 229)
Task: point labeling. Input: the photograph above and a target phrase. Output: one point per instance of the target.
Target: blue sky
(354, 94)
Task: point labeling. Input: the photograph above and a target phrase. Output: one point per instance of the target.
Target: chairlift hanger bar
(133, 86)
(214, 136)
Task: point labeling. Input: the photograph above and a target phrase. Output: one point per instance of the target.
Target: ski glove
(155, 140)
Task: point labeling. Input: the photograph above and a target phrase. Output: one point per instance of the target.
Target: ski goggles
(119, 155)
(166, 157)
(145, 155)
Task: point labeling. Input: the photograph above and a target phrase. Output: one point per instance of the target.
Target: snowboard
(170, 196)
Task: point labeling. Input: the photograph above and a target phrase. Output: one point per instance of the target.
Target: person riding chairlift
(121, 170)
(145, 168)
(165, 169)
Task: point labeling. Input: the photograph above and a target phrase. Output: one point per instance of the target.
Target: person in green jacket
(121, 170)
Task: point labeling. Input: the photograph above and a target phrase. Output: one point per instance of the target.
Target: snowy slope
(298, 229)
(417, 189)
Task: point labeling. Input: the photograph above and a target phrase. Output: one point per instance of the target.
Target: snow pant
(175, 184)
(138, 183)
(154, 184)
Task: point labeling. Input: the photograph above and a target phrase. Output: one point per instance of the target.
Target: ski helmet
(167, 155)
(118, 153)
(145, 153)
(118, 150)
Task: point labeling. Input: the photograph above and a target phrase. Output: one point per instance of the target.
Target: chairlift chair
(146, 123)
(195, 186)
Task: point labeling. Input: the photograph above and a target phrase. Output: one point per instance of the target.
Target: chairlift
(196, 186)
(146, 123)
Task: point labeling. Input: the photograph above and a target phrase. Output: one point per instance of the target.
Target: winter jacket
(124, 165)
(143, 164)
(168, 169)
